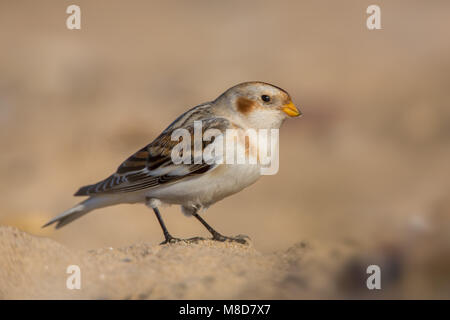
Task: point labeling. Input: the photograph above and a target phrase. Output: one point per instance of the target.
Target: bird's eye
(265, 98)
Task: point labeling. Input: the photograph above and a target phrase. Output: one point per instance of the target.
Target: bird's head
(258, 104)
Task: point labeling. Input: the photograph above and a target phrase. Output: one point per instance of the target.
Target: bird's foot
(242, 239)
(194, 239)
(171, 240)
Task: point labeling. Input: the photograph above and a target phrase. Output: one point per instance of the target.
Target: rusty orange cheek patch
(245, 105)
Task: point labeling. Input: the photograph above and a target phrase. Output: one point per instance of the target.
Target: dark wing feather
(152, 165)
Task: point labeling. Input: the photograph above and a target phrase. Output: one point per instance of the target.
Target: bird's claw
(171, 240)
(195, 239)
(242, 239)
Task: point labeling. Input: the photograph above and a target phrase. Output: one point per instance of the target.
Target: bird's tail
(79, 210)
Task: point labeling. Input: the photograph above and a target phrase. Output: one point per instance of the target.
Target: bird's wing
(152, 166)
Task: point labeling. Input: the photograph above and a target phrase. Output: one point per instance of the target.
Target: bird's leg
(216, 235)
(167, 235)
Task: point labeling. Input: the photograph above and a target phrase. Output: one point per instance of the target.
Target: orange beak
(291, 110)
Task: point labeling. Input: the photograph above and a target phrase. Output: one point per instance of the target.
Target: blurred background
(367, 164)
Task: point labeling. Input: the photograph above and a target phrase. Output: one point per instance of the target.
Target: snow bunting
(151, 176)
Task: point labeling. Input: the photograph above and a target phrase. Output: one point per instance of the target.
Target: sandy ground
(36, 268)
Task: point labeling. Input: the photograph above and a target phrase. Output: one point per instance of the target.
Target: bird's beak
(291, 110)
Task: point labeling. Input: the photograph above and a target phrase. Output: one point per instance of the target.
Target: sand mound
(34, 267)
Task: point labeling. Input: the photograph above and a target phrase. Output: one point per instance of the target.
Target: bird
(152, 177)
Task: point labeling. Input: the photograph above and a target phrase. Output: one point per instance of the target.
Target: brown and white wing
(152, 166)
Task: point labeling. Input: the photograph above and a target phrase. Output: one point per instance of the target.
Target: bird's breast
(223, 181)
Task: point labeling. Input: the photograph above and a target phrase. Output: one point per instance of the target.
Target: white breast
(209, 188)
